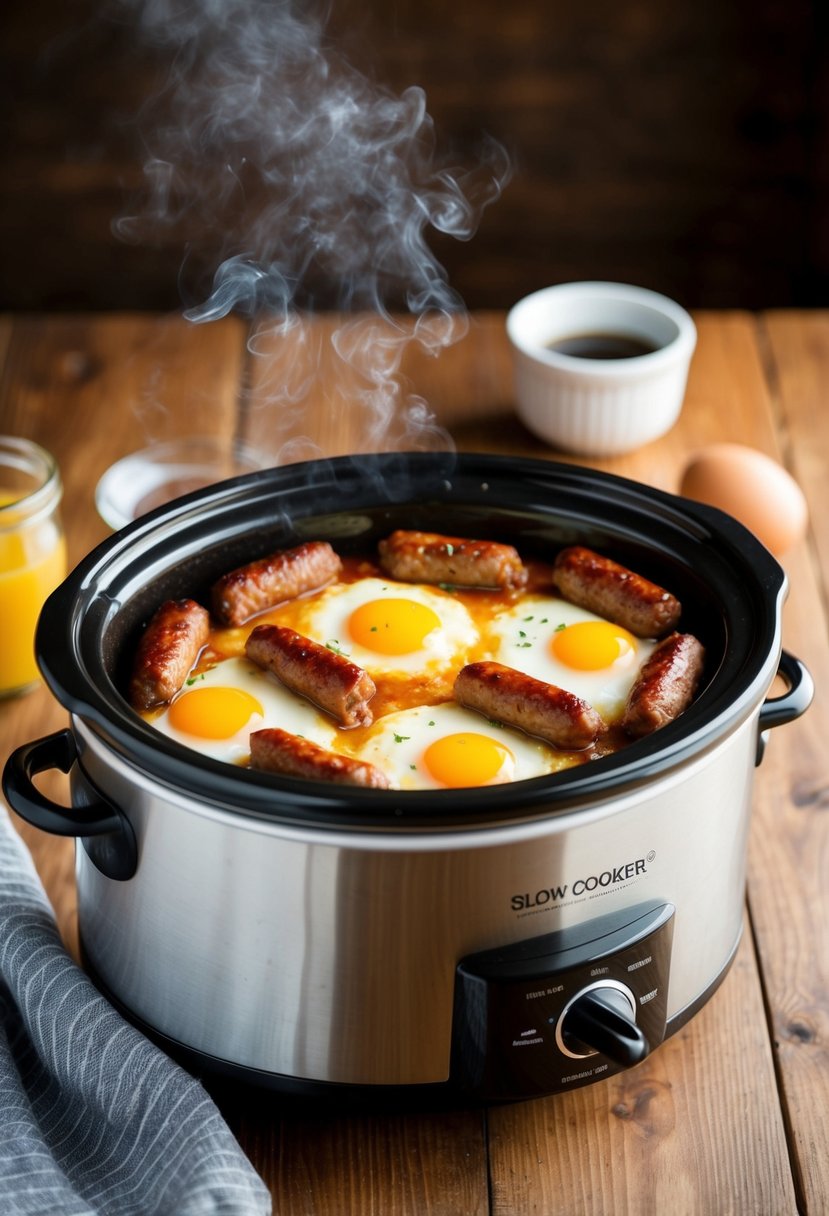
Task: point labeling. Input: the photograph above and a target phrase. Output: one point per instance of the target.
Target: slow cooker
(497, 943)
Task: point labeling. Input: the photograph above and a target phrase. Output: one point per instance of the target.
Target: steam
(309, 186)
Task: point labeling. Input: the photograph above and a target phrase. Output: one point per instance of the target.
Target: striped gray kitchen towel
(93, 1117)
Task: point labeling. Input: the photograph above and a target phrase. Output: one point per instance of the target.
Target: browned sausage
(329, 679)
(278, 751)
(666, 685)
(426, 557)
(242, 593)
(509, 696)
(614, 592)
(167, 650)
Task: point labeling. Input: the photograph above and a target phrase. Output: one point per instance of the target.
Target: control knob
(602, 1018)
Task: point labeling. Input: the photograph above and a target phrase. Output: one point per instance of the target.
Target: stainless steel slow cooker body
(303, 935)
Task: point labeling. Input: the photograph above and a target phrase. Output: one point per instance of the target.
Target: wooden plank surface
(700, 1126)
(94, 389)
(790, 843)
(390, 1164)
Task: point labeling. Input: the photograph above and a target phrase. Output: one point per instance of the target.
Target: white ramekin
(599, 407)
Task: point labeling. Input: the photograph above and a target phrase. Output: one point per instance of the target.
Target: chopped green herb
(559, 628)
(431, 722)
(524, 645)
(413, 767)
(374, 629)
(334, 645)
(401, 738)
(448, 587)
(544, 620)
(529, 618)
(492, 722)
(521, 633)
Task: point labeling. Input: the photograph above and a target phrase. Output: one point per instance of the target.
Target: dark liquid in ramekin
(602, 346)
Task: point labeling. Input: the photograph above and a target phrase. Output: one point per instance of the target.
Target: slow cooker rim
(408, 832)
(315, 804)
(711, 715)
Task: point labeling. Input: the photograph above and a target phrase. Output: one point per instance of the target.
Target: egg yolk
(213, 713)
(468, 759)
(592, 645)
(392, 626)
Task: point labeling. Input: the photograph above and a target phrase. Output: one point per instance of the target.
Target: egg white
(281, 708)
(396, 744)
(521, 637)
(326, 620)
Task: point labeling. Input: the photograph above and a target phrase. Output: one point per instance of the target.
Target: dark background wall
(683, 146)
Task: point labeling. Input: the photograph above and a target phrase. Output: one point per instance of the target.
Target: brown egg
(753, 488)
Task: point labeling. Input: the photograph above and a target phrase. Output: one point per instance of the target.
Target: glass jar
(32, 554)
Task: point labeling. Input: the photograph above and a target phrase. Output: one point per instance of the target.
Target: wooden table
(732, 1114)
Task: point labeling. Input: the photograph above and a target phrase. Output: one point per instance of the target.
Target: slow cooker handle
(777, 711)
(106, 833)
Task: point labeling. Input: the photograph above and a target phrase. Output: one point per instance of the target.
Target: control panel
(554, 1012)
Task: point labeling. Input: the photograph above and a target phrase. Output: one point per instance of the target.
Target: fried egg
(387, 627)
(448, 747)
(218, 708)
(561, 644)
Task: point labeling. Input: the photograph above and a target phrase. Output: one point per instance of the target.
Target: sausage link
(332, 681)
(239, 595)
(614, 592)
(666, 685)
(167, 650)
(509, 696)
(277, 751)
(426, 557)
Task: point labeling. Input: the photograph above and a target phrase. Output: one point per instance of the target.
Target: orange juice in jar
(32, 554)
